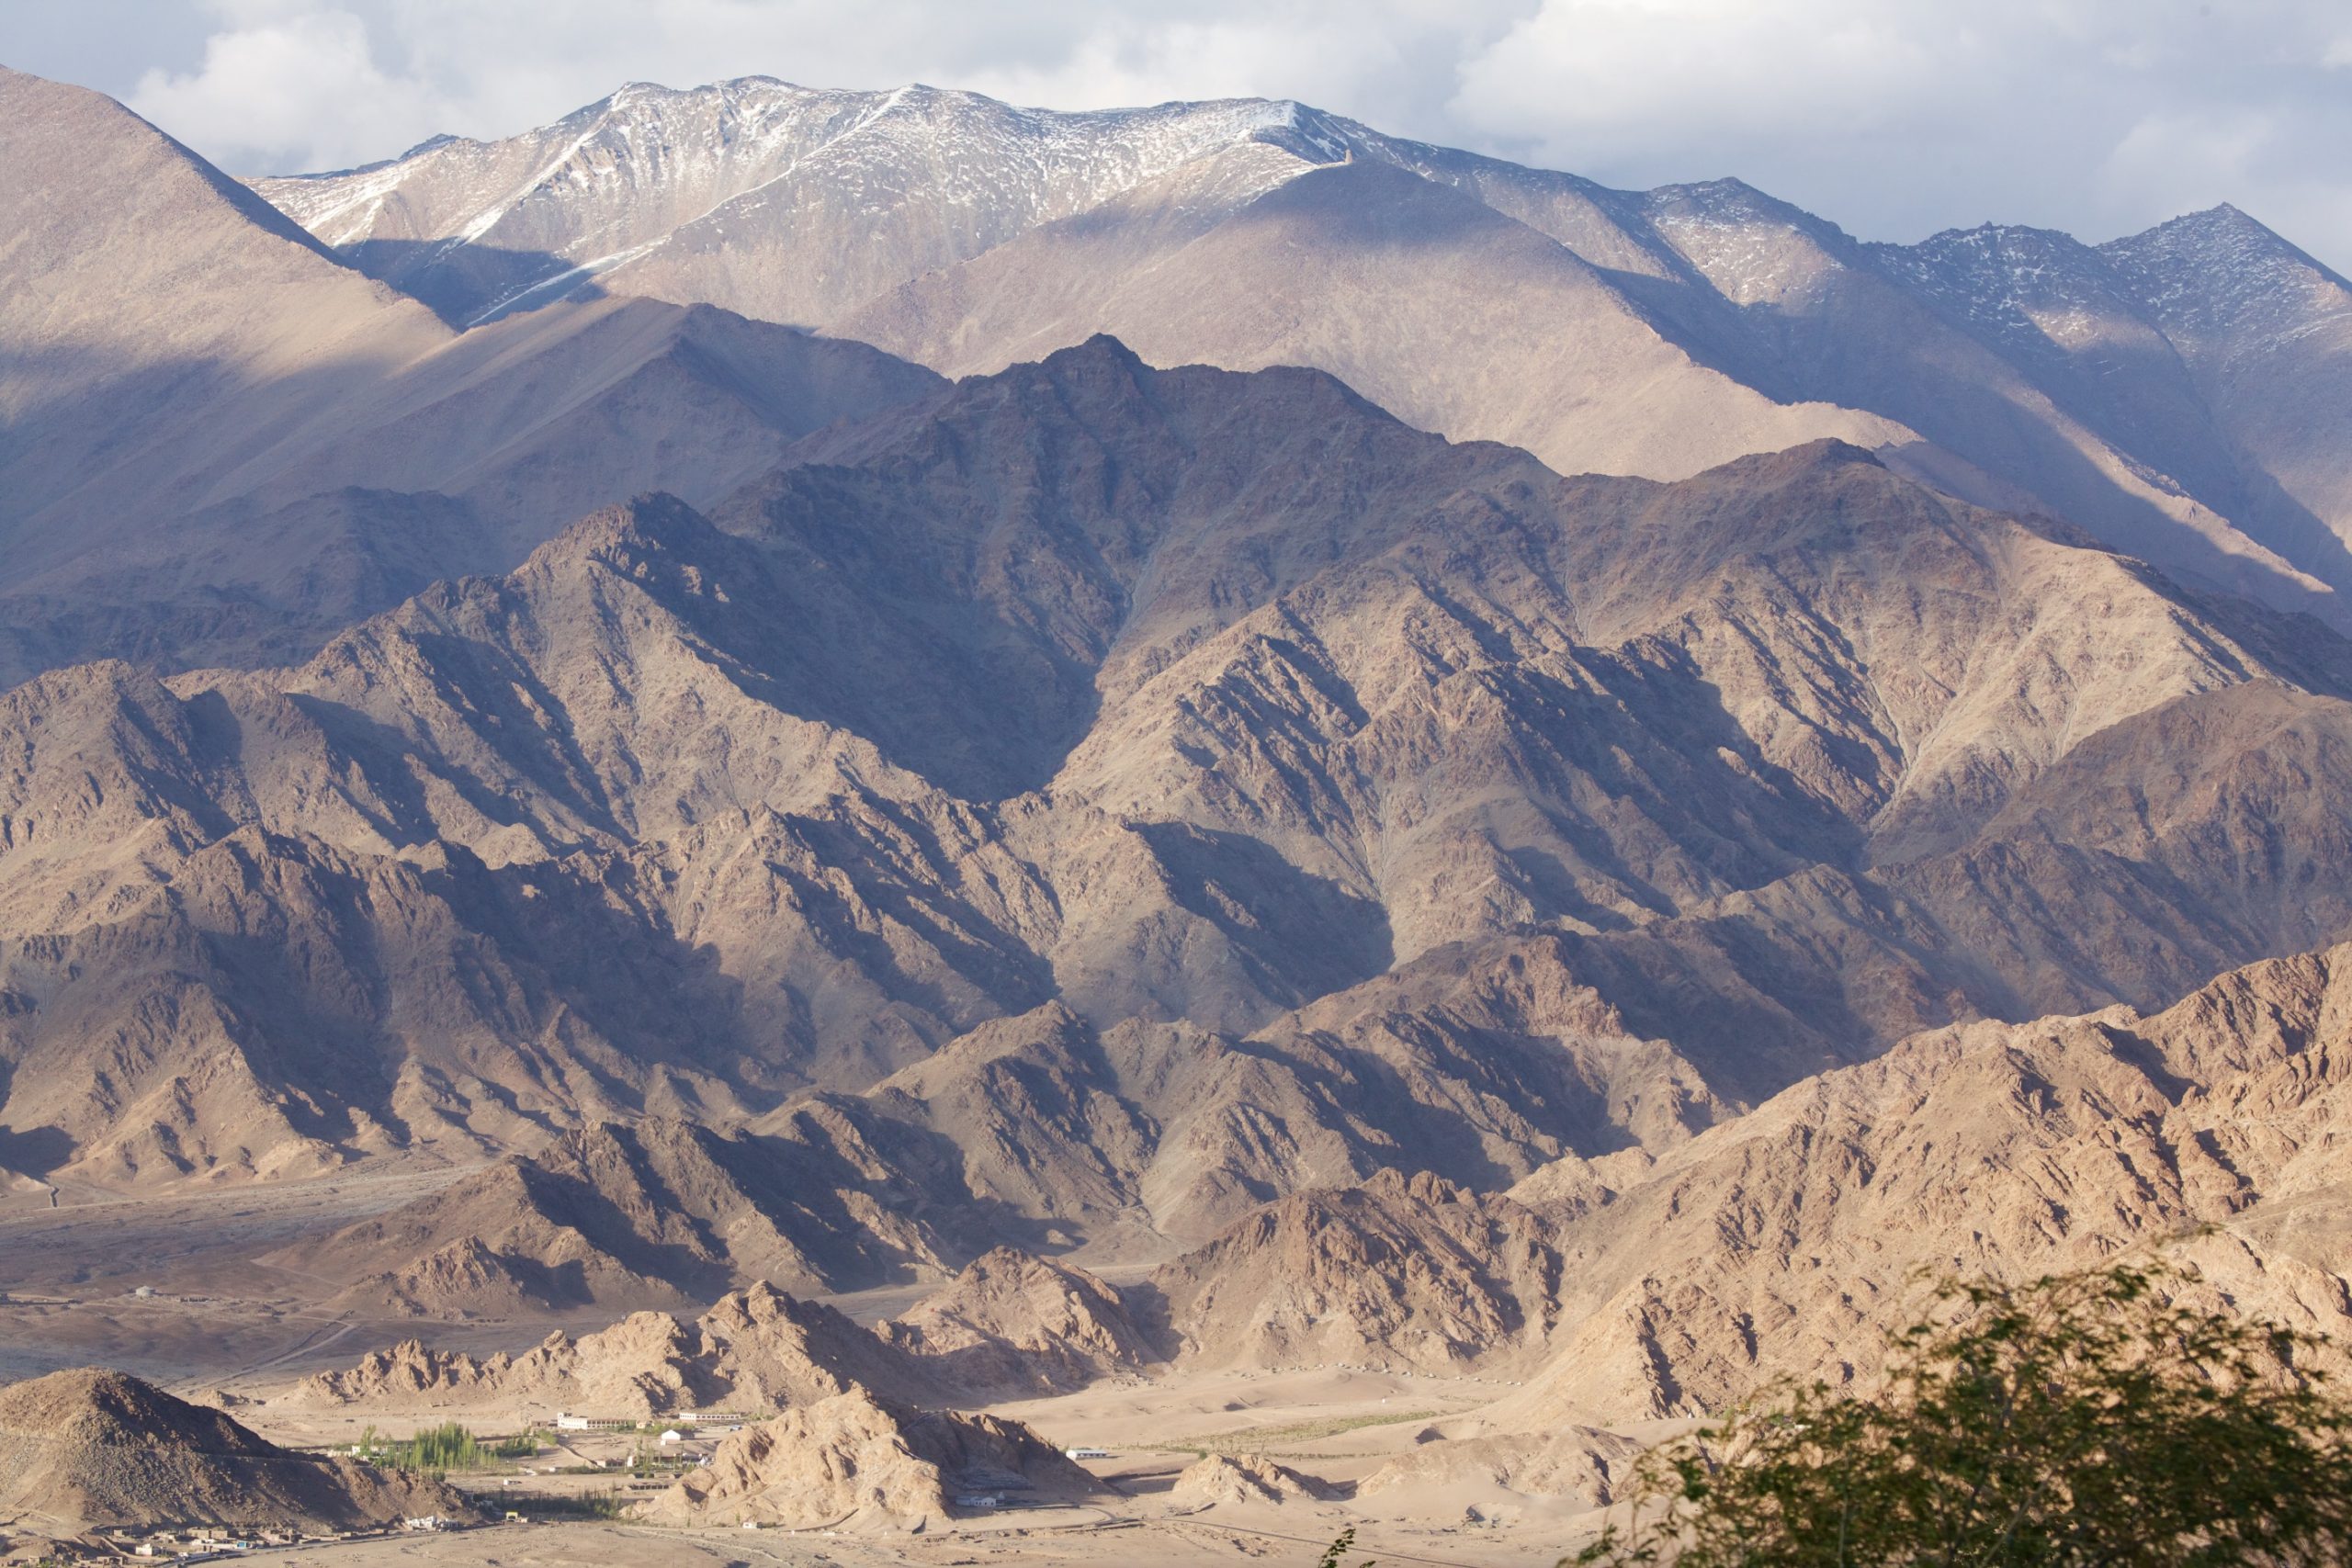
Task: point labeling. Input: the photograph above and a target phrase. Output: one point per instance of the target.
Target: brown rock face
(755, 1350)
(92, 1450)
(1242, 1478)
(1016, 1324)
(1399, 1272)
(1791, 1240)
(854, 1461)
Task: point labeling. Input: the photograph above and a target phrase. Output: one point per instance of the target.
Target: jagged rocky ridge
(1009, 1325)
(1785, 1242)
(1096, 802)
(1792, 1240)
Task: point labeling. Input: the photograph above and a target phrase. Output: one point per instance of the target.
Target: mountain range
(2175, 392)
(1430, 764)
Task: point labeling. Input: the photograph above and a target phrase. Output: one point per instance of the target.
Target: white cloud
(1892, 117)
(2256, 156)
(288, 82)
(1666, 68)
(1898, 116)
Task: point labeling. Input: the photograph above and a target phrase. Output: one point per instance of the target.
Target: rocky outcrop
(1404, 1272)
(757, 1350)
(1034, 1108)
(646, 1365)
(92, 1450)
(1241, 1478)
(857, 1462)
(1009, 1325)
(1013, 1324)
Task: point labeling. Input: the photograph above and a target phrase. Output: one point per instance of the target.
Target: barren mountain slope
(1792, 1240)
(659, 1212)
(2263, 330)
(223, 443)
(2032, 366)
(1299, 274)
(90, 1449)
(1788, 1241)
(157, 319)
(158, 325)
(1478, 1062)
(1126, 728)
(2038, 371)
(813, 208)
(1398, 1272)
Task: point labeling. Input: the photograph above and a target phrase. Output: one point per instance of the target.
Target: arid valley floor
(214, 1322)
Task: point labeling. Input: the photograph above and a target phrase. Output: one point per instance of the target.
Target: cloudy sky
(1894, 117)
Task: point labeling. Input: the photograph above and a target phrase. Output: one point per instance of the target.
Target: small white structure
(1086, 1453)
(567, 1422)
(672, 1436)
(978, 1500)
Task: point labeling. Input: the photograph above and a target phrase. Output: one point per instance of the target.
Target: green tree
(523, 1445)
(2083, 1419)
(435, 1449)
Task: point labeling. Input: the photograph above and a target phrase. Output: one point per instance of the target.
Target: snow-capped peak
(2219, 271)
